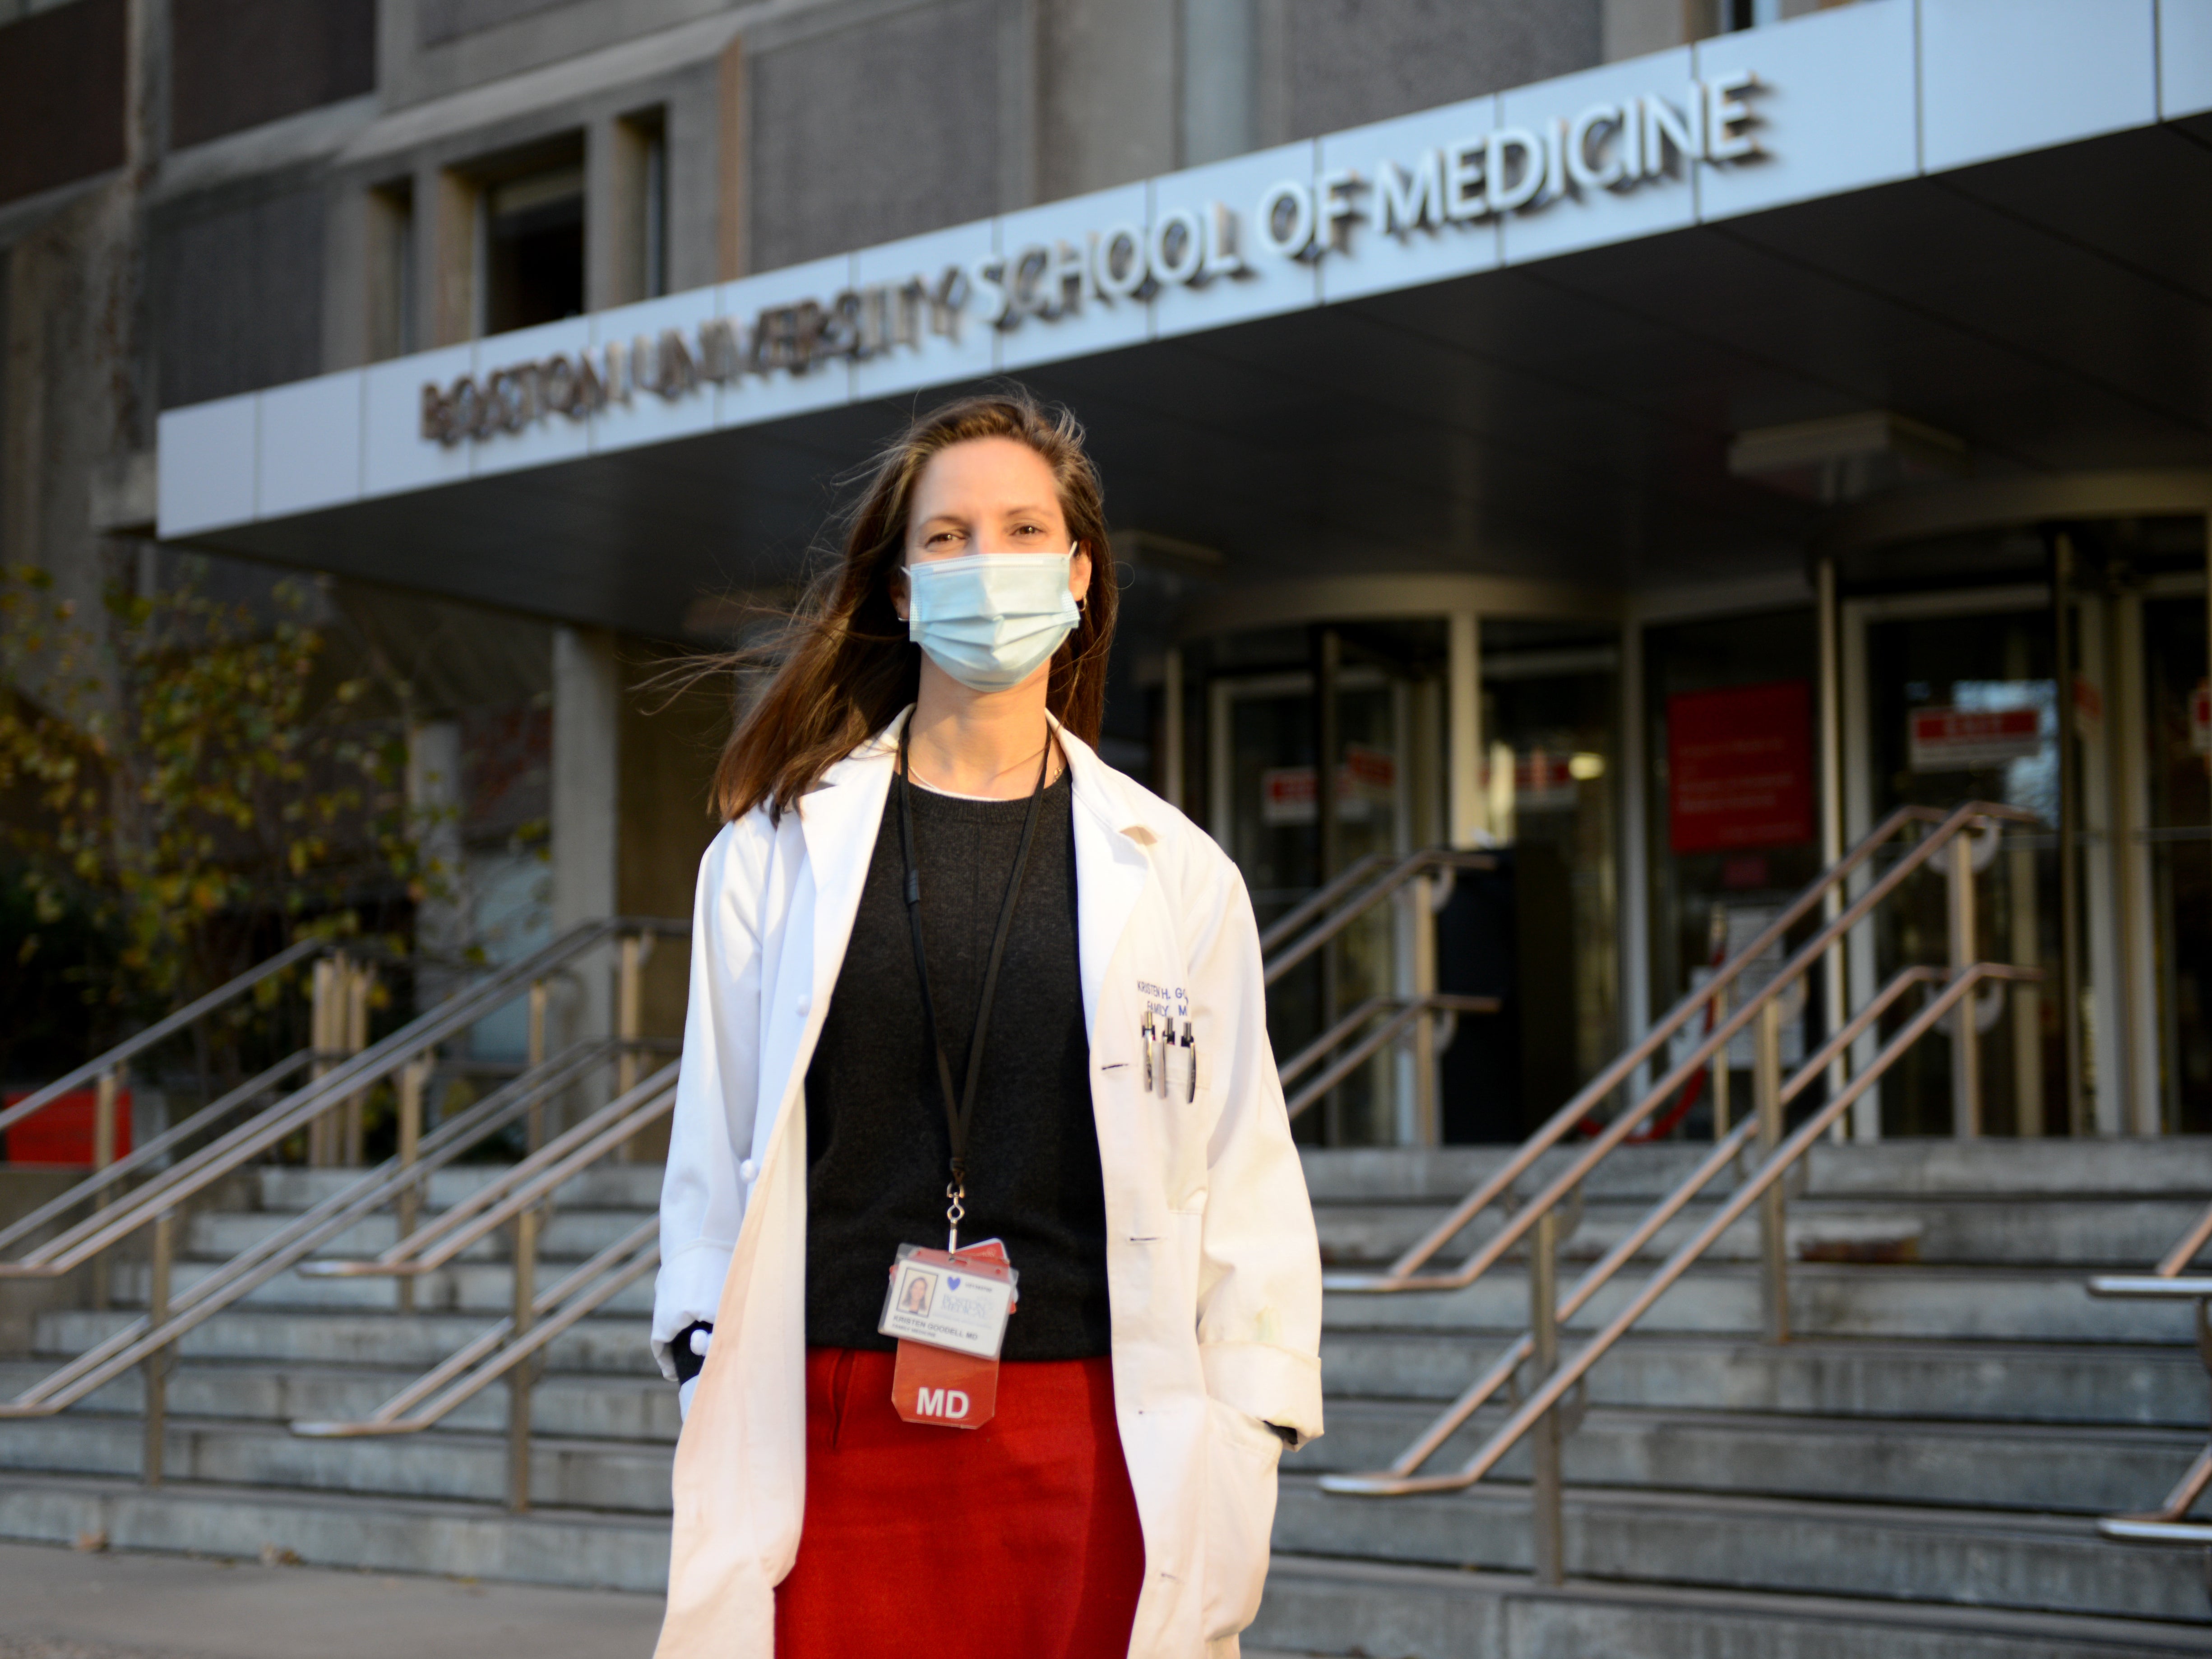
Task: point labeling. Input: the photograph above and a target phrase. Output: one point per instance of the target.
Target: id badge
(948, 1312)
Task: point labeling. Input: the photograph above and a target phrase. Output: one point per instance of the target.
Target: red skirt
(1017, 1538)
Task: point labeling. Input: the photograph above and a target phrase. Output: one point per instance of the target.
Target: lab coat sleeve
(702, 1195)
(1259, 1303)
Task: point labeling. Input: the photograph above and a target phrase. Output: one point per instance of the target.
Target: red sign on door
(1740, 767)
(1961, 739)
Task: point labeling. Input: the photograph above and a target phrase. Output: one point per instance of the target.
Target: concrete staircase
(1915, 1474)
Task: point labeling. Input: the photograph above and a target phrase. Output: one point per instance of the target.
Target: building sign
(1367, 781)
(1740, 767)
(1963, 740)
(1606, 147)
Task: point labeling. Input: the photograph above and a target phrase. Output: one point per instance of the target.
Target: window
(393, 328)
(637, 208)
(532, 248)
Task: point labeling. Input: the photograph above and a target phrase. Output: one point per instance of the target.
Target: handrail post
(1421, 912)
(105, 1093)
(536, 1055)
(1773, 1221)
(322, 1022)
(157, 1362)
(360, 984)
(630, 1008)
(1965, 1037)
(1547, 1540)
(518, 1380)
(1721, 1123)
(413, 1077)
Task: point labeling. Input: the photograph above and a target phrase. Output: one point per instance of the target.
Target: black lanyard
(957, 1118)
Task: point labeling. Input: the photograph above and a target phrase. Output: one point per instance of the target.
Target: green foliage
(192, 777)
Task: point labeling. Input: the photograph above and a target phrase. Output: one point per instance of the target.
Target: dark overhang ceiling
(1568, 419)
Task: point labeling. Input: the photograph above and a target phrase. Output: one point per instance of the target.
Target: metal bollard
(157, 1362)
(1548, 1531)
(1773, 1220)
(518, 1379)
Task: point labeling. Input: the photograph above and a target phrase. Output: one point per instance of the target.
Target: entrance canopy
(1618, 329)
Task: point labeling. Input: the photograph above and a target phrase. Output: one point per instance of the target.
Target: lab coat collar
(1118, 804)
(1118, 821)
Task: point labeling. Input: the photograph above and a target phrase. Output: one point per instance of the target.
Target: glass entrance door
(2178, 839)
(1953, 697)
(1369, 694)
(1544, 939)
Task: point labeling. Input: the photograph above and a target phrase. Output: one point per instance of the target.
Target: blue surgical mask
(989, 619)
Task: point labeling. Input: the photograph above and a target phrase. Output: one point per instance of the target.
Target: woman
(954, 977)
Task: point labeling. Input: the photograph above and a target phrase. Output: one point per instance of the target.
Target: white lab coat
(1213, 1271)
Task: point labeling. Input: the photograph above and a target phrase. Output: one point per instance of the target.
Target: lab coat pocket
(1241, 1453)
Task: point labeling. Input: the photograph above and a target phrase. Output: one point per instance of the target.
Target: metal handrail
(1553, 1389)
(519, 1186)
(1544, 1417)
(1319, 900)
(189, 1176)
(1724, 1152)
(1403, 1011)
(1403, 1273)
(539, 1317)
(142, 1337)
(122, 1053)
(2170, 1280)
(153, 1151)
(1413, 865)
(484, 1360)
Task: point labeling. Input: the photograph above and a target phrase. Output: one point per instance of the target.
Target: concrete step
(2013, 1304)
(330, 1338)
(593, 1475)
(571, 1236)
(465, 1287)
(2078, 1233)
(1990, 1382)
(2046, 1467)
(2028, 1563)
(548, 1546)
(576, 1405)
(1316, 1606)
(604, 1186)
(2174, 1166)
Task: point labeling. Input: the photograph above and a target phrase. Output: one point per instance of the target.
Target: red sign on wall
(1740, 767)
(61, 1131)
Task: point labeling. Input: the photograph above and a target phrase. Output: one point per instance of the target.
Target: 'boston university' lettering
(1485, 176)
(858, 323)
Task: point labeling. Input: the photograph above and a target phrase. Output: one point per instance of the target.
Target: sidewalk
(60, 1604)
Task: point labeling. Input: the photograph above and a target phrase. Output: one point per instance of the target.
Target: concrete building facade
(1512, 404)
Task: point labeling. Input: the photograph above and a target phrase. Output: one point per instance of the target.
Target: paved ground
(64, 1604)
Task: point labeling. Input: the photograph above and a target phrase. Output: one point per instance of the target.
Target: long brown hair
(845, 664)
